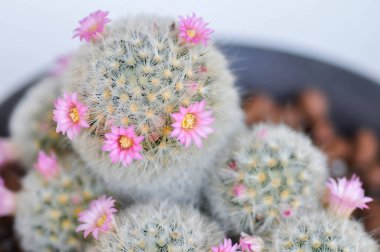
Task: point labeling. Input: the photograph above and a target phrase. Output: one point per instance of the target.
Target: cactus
(135, 77)
(32, 127)
(46, 209)
(273, 171)
(161, 227)
(319, 231)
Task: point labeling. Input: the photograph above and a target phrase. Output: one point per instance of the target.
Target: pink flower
(47, 165)
(238, 190)
(7, 200)
(192, 29)
(262, 133)
(287, 213)
(251, 243)
(346, 195)
(92, 26)
(70, 115)
(225, 247)
(62, 63)
(192, 124)
(123, 144)
(8, 151)
(98, 217)
(232, 165)
(193, 86)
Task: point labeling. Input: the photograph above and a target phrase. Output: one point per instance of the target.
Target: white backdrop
(344, 32)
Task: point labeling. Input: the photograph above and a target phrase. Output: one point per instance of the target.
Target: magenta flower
(70, 115)
(47, 165)
(192, 29)
(8, 151)
(92, 26)
(98, 218)
(123, 144)
(250, 243)
(238, 190)
(192, 124)
(7, 200)
(346, 195)
(225, 247)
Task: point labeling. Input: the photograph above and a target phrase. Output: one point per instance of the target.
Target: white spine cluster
(32, 127)
(47, 210)
(318, 231)
(161, 227)
(138, 75)
(273, 171)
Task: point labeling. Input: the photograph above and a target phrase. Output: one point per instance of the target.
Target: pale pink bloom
(250, 243)
(346, 195)
(193, 86)
(202, 69)
(70, 115)
(232, 165)
(238, 190)
(47, 165)
(98, 218)
(192, 29)
(76, 199)
(287, 213)
(192, 124)
(226, 246)
(262, 133)
(154, 137)
(91, 27)
(62, 63)
(8, 151)
(7, 200)
(123, 144)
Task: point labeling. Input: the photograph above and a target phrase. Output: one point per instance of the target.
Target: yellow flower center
(101, 220)
(74, 114)
(191, 33)
(125, 142)
(189, 121)
(93, 28)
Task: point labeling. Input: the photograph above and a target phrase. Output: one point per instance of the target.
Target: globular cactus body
(47, 209)
(161, 227)
(318, 231)
(137, 75)
(272, 172)
(32, 127)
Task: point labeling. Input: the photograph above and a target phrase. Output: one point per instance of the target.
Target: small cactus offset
(32, 127)
(161, 227)
(48, 205)
(157, 108)
(318, 231)
(273, 171)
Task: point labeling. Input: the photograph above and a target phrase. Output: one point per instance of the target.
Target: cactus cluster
(47, 209)
(138, 75)
(273, 172)
(319, 231)
(153, 116)
(162, 227)
(32, 127)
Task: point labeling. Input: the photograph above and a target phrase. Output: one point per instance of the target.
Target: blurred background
(343, 32)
